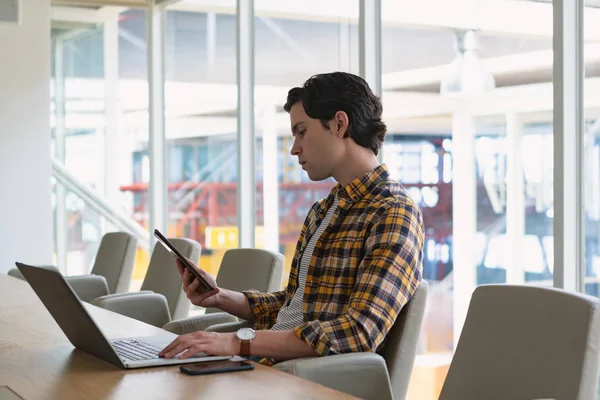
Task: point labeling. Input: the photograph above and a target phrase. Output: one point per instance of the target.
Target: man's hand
(230, 301)
(212, 343)
(190, 286)
(280, 345)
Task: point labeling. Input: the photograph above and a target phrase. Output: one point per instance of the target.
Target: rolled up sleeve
(264, 307)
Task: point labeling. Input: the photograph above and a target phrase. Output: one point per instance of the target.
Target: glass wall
(468, 100)
(290, 48)
(77, 131)
(99, 127)
(466, 139)
(201, 125)
(591, 53)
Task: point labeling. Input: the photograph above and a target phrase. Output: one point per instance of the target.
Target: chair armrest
(363, 375)
(229, 326)
(88, 287)
(99, 299)
(198, 322)
(151, 308)
(15, 273)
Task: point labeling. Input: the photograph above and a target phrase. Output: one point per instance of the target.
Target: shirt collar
(360, 187)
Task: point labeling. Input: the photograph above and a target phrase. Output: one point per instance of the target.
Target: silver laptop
(81, 330)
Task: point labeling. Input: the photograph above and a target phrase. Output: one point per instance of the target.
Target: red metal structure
(195, 205)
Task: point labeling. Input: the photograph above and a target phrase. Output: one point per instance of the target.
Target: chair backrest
(400, 348)
(525, 342)
(115, 259)
(243, 269)
(162, 276)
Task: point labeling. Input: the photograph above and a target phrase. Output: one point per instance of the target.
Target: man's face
(316, 147)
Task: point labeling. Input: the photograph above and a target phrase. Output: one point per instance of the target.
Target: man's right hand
(190, 286)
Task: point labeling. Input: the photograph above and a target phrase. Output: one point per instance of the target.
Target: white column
(464, 215)
(270, 179)
(211, 43)
(515, 199)
(369, 39)
(156, 111)
(369, 46)
(569, 229)
(246, 192)
(111, 111)
(60, 154)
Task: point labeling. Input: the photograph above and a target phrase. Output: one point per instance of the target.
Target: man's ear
(340, 124)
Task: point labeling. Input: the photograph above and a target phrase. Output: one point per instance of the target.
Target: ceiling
(588, 3)
(100, 3)
(144, 3)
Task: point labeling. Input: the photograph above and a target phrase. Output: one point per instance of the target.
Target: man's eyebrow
(295, 127)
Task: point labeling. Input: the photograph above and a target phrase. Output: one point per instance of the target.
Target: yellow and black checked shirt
(365, 267)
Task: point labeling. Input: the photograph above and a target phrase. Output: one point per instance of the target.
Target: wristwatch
(245, 335)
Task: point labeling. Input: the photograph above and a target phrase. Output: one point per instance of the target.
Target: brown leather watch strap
(245, 348)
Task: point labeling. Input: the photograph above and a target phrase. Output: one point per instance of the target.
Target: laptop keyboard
(134, 350)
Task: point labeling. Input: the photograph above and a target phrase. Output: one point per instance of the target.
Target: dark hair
(325, 94)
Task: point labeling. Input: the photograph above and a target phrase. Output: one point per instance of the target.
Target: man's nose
(295, 150)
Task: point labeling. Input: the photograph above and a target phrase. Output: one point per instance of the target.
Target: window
(298, 42)
(200, 126)
(470, 136)
(591, 53)
(102, 147)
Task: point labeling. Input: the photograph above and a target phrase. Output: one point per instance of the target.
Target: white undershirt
(290, 316)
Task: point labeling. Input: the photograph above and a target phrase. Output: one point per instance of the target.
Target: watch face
(246, 334)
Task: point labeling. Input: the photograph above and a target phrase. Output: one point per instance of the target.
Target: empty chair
(161, 295)
(112, 269)
(525, 342)
(15, 273)
(240, 269)
(365, 375)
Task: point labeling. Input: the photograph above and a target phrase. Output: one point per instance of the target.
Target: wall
(25, 168)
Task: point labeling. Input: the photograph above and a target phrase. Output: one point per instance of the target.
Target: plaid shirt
(365, 267)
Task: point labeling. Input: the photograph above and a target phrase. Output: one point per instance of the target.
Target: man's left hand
(212, 343)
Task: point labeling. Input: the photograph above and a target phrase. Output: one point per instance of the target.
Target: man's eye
(302, 132)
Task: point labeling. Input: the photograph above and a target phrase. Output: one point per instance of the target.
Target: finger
(192, 351)
(201, 296)
(180, 267)
(186, 342)
(193, 287)
(191, 262)
(182, 346)
(195, 266)
(170, 346)
(186, 279)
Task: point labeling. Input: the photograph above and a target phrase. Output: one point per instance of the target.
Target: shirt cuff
(257, 305)
(314, 335)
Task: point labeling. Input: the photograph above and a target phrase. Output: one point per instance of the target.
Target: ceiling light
(467, 75)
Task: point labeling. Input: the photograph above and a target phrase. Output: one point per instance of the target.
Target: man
(358, 258)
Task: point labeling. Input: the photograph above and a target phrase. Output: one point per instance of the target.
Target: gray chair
(525, 342)
(112, 269)
(15, 273)
(161, 295)
(365, 375)
(240, 269)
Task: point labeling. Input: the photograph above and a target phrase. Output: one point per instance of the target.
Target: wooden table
(38, 362)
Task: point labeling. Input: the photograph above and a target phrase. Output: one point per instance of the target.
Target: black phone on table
(204, 285)
(215, 367)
